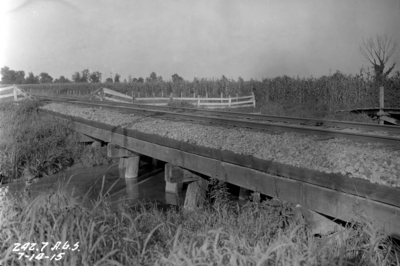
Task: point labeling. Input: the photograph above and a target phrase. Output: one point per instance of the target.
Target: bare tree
(378, 52)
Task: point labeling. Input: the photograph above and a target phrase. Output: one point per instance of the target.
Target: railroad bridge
(314, 193)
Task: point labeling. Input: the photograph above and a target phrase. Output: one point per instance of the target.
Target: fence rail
(110, 95)
(230, 102)
(14, 92)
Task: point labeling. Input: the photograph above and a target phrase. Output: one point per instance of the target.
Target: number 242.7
(32, 246)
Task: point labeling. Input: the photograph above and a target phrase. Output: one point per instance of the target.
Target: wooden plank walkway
(331, 194)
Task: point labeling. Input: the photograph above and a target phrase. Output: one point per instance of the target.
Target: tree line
(10, 76)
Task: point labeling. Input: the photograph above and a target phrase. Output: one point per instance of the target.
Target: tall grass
(36, 145)
(222, 233)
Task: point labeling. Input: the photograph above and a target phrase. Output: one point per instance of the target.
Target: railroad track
(326, 128)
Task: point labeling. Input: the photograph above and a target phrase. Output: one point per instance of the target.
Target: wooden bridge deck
(330, 194)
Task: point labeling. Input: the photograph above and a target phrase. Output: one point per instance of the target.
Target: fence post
(15, 94)
(229, 101)
(222, 95)
(381, 102)
(198, 101)
(102, 95)
(254, 99)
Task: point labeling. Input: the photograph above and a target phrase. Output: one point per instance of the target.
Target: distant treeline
(10, 76)
(336, 91)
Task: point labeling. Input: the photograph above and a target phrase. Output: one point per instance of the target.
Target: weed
(37, 144)
(259, 233)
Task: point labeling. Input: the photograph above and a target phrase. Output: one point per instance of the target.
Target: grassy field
(221, 233)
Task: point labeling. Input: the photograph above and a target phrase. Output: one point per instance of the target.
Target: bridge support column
(96, 144)
(121, 167)
(132, 189)
(154, 162)
(196, 195)
(319, 224)
(173, 187)
(244, 193)
(172, 199)
(132, 166)
(175, 176)
(128, 161)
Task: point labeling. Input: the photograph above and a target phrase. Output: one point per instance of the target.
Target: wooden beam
(116, 151)
(98, 133)
(84, 138)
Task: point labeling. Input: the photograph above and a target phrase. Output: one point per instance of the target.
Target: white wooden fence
(12, 92)
(221, 102)
(110, 95)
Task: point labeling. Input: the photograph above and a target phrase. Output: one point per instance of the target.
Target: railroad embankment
(222, 233)
(376, 162)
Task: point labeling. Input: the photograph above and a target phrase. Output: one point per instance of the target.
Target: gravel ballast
(376, 162)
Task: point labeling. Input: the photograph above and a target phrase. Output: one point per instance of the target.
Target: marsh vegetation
(33, 145)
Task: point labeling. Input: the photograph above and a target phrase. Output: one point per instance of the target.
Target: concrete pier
(132, 166)
(196, 195)
(132, 189)
(128, 161)
(244, 193)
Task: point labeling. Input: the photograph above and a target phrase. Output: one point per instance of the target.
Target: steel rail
(285, 119)
(247, 124)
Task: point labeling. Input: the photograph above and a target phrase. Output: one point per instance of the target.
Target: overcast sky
(199, 38)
